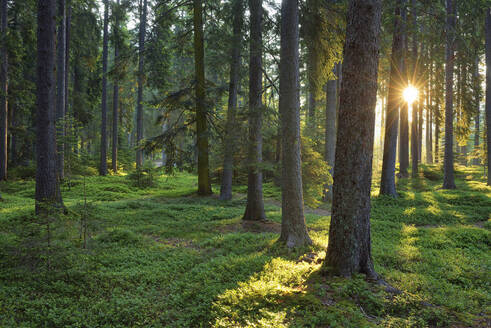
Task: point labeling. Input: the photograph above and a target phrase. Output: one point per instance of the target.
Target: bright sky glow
(410, 94)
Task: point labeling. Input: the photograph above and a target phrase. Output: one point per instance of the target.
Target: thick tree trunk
(204, 184)
(103, 164)
(388, 182)
(293, 228)
(47, 185)
(3, 92)
(230, 133)
(404, 116)
(115, 132)
(67, 53)
(255, 203)
(488, 90)
(60, 88)
(448, 169)
(139, 104)
(331, 120)
(415, 105)
(477, 130)
(349, 249)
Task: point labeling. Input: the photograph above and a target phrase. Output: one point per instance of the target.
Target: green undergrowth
(162, 256)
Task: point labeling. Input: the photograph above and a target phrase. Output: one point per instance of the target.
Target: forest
(233, 163)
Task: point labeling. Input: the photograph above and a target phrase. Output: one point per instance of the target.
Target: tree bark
(388, 182)
(139, 105)
(115, 143)
(293, 228)
(415, 105)
(448, 166)
(255, 203)
(230, 134)
(404, 116)
(349, 249)
(47, 186)
(488, 90)
(429, 114)
(3, 92)
(477, 130)
(60, 88)
(103, 164)
(331, 120)
(204, 185)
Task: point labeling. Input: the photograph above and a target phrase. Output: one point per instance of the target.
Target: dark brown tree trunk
(204, 184)
(429, 114)
(255, 203)
(349, 250)
(477, 130)
(448, 169)
(3, 92)
(293, 228)
(230, 134)
(139, 101)
(415, 105)
(60, 88)
(437, 141)
(103, 164)
(47, 185)
(331, 122)
(67, 53)
(115, 143)
(488, 90)
(404, 117)
(388, 181)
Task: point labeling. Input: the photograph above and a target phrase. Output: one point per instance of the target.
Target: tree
(404, 113)
(255, 203)
(204, 185)
(3, 91)
(293, 228)
(139, 106)
(477, 99)
(330, 134)
(388, 183)
(103, 164)
(60, 87)
(47, 185)
(488, 90)
(228, 160)
(349, 249)
(115, 132)
(448, 169)
(415, 105)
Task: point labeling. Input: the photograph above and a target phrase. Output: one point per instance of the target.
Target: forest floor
(161, 256)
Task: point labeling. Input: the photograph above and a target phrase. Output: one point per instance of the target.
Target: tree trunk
(404, 123)
(415, 105)
(437, 140)
(331, 119)
(255, 203)
(349, 250)
(388, 182)
(448, 169)
(103, 164)
(475, 161)
(429, 114)
(204, 185)
(139, 103)
(60, 88)
(114, 159)
(488, 90)
(230, 134)
(47, 186)
(3, 92)
(293, 228)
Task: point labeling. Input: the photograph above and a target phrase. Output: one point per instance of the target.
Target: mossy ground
(162, 256)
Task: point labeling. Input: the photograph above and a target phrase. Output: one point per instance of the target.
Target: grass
(161, 256)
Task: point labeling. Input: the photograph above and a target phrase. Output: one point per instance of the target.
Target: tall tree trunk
(47, 185)
(331, 120)
(388, 182)
(204, 184)
(230, 134)
(448, 169)
(475, 161)
(488, 90)
(429, 114)
(3, 92)
(60, 88)
(415, 105)
(103, 164)
(437, 140)
(115, 143)
(67, 52)
(139, 104)
(349, 250)
(293, 228)
(255, 203)
(404, 119)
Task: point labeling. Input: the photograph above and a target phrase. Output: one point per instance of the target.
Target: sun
(410, 94)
